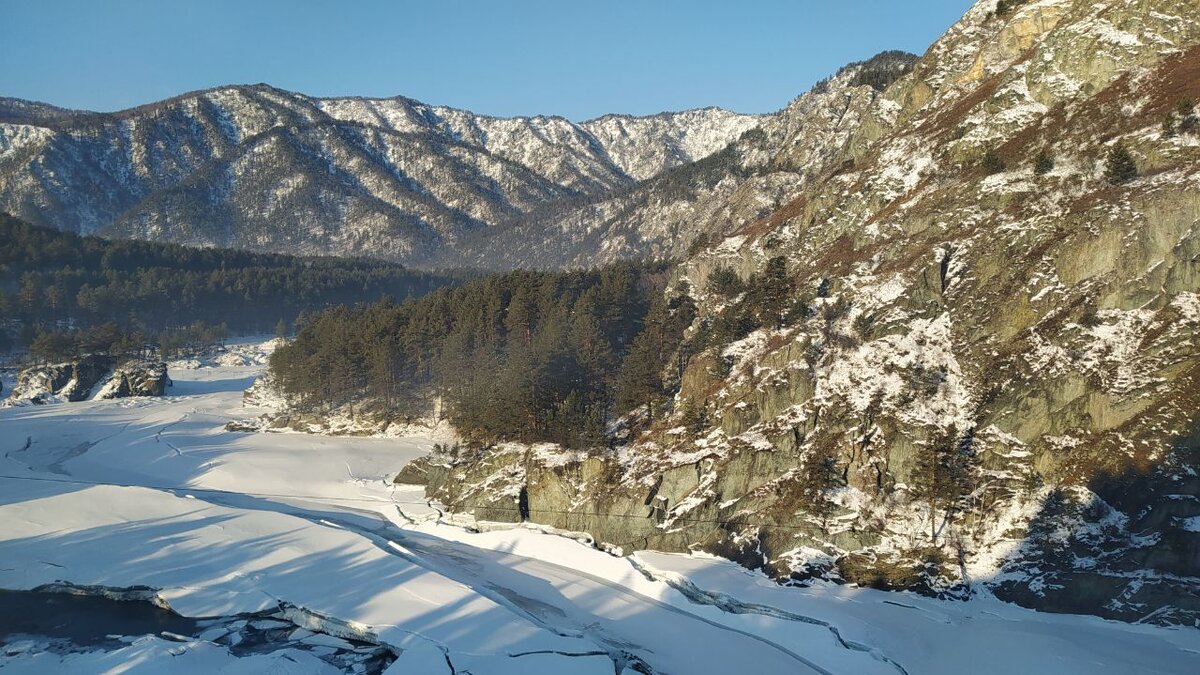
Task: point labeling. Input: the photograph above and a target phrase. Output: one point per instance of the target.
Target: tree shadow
(205, 576)
(1127, 548)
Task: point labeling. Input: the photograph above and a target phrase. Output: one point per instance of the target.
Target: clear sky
(575, 58)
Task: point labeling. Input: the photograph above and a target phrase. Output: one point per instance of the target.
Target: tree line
(50, 280)
(60, 345)
(527, 356)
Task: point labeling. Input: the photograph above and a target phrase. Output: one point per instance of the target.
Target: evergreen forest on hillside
(54, 281)
(526, 356)
(531, 356)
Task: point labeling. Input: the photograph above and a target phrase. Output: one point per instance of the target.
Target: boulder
(136, 378)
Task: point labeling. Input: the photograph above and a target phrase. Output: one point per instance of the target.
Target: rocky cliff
(136, 378)
(983, 374)
(95, 376)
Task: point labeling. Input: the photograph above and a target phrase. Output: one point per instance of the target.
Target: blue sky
(503, 57)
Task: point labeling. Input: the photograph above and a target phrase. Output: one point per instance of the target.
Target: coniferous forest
(529, 356)
(56, 281)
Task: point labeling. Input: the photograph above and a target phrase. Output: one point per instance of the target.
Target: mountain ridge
(18, 100)
(391, 178)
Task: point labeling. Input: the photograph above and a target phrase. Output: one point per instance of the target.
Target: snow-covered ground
(155, 492)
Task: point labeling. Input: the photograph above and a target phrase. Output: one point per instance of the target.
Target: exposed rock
(1048, 325)
(71, 381)
(415, 472)
(93, 376)
(667, 215)
(136, 378)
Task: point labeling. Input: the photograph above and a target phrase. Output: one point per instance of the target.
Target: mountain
(664, 216)
(261, 168)
(948, 340)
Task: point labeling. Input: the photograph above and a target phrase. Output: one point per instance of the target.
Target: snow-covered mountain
(262, 168)
(666, 215)
(979, 366)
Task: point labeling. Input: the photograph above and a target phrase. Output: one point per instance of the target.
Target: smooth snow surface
(222, 523)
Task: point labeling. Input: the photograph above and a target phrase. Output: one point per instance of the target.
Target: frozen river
(307, 529)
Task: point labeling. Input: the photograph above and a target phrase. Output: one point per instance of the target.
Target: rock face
(77, 380)
(260, 168)
(60, 382)
(994, 384)
(136, 378)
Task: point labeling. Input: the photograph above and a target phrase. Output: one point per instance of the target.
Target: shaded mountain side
(52, 280)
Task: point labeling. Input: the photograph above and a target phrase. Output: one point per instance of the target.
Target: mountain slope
(262, 168)
(664, 216)
(963, 355)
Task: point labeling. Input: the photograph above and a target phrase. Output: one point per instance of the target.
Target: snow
(881, 366)
(903, 165)
(873, 294)
(1188, 305)
(639, 147)
(931, 636)
(107, 389)
(1110, 34)
(16, 137)
(157, 492)
(551, 455)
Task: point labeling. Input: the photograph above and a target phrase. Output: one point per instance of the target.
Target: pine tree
(28, 295)
(1121, 167)
(281, 329)
(769, 294)
(528, 356)
(1043, 164)
(1168, 125)
(1189, 123)
(53, 347)
(992, 163)
(944, 475)
(1006, 7)
(818, 478)
(640, 381)
(725, 282)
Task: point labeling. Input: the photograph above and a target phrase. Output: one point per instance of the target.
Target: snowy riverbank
(156, 492)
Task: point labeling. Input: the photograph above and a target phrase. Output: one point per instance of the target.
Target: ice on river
(221, 523)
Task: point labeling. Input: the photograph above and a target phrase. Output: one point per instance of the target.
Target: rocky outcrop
(666, 216)
(71, 381)
(360, 418)
(991, 378)
(136, 378)
(93, 376)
